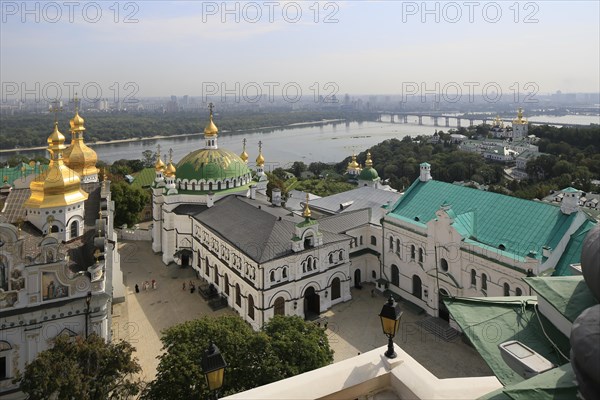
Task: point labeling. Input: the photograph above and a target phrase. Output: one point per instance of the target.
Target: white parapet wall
(372, 376)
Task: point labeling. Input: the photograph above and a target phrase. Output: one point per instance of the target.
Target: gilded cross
(260, 145)
(55, 108)
(244, 142)
(210, 107)
(170, 155)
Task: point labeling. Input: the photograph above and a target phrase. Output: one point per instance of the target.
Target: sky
(158, 48)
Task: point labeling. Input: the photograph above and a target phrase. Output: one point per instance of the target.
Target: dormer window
(502, 247)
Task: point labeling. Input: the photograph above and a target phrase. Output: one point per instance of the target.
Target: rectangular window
(3, 368)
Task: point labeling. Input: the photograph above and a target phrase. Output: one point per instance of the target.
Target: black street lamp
(88, 300)
(213, 366)
(390, 321)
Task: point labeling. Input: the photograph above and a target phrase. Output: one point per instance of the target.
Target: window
(216, 275)
(284, 272)
(331, 258)
(3, 368)
(373, 274)
(483, 282)
(395, 276)
(373, 241)
(341, 256)
(361, 240)
(226, 285)
(421, 255)
(413, 252)
(518, 292)
(506, 289)
(238, 295)
(398, 246)
(391, 243)
(74, 229)
(272, 276)
(279, 306)
(444, 265)
(250, 306)
(473, 277)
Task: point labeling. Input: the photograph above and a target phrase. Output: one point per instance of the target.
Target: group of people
(146, 285)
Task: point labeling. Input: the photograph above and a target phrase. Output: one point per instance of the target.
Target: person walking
(153, 284)
(137, 288)
(183, 287)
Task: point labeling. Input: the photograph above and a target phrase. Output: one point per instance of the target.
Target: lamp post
(213, 366)
(390, 321)
(88, 300)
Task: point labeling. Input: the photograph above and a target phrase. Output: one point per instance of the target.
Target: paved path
(352, 327)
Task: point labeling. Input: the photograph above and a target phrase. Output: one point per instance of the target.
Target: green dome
(368, 174)
(211, 164)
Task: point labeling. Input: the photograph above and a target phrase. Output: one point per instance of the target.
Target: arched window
(444, 265)
(284, 272)
(238, 295)
(473, 278)
(74, 229)
(341, 255)
(420, 254)
(391, 243)
(518, 292)
(226, 285)
(335, 289)
(331, 258)
(250, 306)
(279, 306)
(395, 276)
(216, 275)
(54, 229)
(207, 268)
(506, 289)
(417, 287)
(398, 247)
(413, 252)
(483, 282)
(272, 276)
(361, 240)
(373, 274)
(314, 263)
(373, 241)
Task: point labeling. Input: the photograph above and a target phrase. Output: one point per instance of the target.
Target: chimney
(570, 200)
(253, 192)
(210, 199)
(425, 172)
(276, 197)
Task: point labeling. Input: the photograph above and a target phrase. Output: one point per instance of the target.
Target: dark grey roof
(356, 199)
(259, 234)
(189, 209)
(342, 223)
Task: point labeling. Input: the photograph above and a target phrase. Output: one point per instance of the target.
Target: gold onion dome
(369, 162)
(306, 213)
(78, 156)
(520, 119)
(353, 164)
(170, 172)
(260, 160)
(211, 129)
(244, 155)
(58, 185)
(159, 165)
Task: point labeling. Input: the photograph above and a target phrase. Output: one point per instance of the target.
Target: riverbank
(160, 137)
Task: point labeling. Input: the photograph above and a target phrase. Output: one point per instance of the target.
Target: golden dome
(260, 160)
(211, 129)
(369, 162)
(244, 155)
(170, 171)
(58, 185)
(78, 156)
(76, 123)
(520, 120)
(353, 164)
(159, 165)
(306, 213)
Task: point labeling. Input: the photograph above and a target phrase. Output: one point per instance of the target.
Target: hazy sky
(364, 47)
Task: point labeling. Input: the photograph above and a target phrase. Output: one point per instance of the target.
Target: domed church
(195, 183)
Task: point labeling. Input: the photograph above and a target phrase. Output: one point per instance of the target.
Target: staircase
(439, 328)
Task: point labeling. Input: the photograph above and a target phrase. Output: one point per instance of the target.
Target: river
(330, 142)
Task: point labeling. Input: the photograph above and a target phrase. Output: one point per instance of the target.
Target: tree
(253, 358)
(298, 167)
(149, 158)
(129, 201)
(85, 369)
(300, 346)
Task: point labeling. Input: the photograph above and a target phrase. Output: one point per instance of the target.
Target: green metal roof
(488, 322)
(570, 190)
(572, 253)
(211, 164)
(493, 219)
(568, 294)
(10, 174)
(144, 178)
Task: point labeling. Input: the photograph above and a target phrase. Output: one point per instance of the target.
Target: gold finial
(55, 108)
(306, 213)
(244, 155)
(369, 162)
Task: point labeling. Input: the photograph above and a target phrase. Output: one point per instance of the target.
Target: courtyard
(353, 327)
